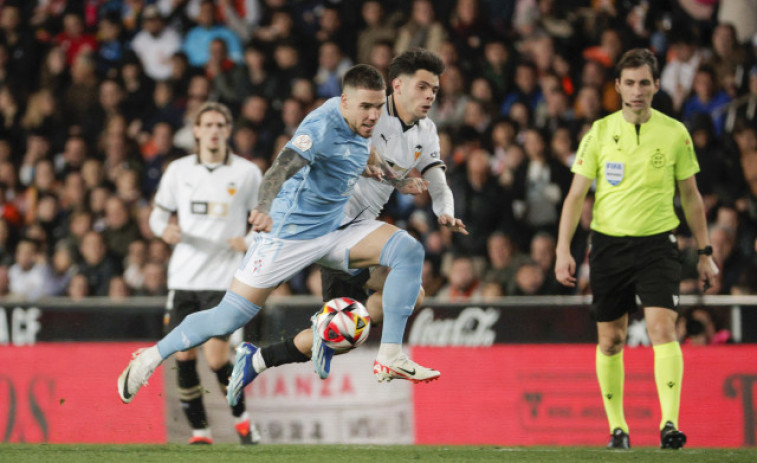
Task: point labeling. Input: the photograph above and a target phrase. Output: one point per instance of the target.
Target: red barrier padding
(66, 393)
(548, 395)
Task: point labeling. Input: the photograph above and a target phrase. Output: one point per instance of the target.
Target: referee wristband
(706, 251)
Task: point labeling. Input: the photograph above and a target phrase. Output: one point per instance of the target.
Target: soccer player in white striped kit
(210, 193)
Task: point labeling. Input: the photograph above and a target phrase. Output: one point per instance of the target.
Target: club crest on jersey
(231, 188)
(303, 142)
(417, 151)
(658, 159)
(614, 172)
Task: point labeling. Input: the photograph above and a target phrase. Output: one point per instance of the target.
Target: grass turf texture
(357, 453)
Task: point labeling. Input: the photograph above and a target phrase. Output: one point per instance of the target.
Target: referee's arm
(565, 265)
(693, 210)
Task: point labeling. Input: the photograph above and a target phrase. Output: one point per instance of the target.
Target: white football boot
(143, 364)
(403, 368)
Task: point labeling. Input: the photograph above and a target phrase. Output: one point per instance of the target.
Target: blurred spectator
(197, 41)
(707, 98)
(134, 264)
(155, 283)
(95, 264)
(332, 65)
(117, 288)
(526, 89)
(529, 280)
(73, 39)
(476, 190)
(504, 260)
(449, 110)
(29, 275)
(728, 59)
(677, 77)
(462, 282)
(744, 108)
(377, 30)
(110, 47)
(78, 287)
(421, 30)
(540, 185)
(62, 271)
(120, 230)
(697, 327)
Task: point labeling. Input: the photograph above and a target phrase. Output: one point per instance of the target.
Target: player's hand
(238, 243)
(260, 221)
(565, 269)
(453, 224)
(172, 234)
(708, 271)
(373, 171)
(412, 186)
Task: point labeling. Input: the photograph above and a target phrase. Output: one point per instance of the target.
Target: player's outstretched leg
(404, 256)
(143, 364)
(232, 312)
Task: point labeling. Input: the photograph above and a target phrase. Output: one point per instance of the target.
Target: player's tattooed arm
(287, 163)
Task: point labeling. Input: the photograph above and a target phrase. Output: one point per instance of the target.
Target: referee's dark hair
(636, 58)
(209, 106)
(409, 62)
(363, 76)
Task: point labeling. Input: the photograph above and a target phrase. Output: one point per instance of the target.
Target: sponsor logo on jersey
(614, 172)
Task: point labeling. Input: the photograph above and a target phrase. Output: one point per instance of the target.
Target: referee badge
(614, 172)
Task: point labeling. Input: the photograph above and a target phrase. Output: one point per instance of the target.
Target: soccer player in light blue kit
(299, 213)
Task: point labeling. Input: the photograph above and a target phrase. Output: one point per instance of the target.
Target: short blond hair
(209, 106)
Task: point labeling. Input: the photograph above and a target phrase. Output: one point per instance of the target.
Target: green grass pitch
(230, 453)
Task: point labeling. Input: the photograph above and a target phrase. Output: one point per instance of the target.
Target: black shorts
(336, 283)
(182, 303)
(628, 272)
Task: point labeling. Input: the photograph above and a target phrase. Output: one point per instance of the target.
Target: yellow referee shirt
(636, 168)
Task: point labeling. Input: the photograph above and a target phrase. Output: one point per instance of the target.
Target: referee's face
(637, 87)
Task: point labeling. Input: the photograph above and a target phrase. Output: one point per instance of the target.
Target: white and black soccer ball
(343, 323)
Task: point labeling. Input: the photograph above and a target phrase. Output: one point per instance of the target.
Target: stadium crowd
(97, 97)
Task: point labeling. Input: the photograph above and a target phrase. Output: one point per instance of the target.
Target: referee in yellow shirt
(637, 156)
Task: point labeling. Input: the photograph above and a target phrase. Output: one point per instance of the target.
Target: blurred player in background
(638, 157)
(404, 139)
(299, 216)
(211, 194)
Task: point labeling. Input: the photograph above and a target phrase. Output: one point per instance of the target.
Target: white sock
(388, 352)
(258, 363)
(202, 433)
(242, 418)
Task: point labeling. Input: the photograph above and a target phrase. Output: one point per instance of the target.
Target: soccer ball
(343, 323)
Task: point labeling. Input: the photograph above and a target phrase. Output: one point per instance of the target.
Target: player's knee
(402, 249)
(611, 345)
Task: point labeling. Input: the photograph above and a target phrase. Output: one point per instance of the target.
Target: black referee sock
(223, 374)
(190, 394)
(282, 353)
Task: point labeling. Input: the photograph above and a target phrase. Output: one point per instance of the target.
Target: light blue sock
(404, 256)
(232, 312)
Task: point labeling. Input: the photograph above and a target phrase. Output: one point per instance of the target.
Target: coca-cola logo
(472, 327)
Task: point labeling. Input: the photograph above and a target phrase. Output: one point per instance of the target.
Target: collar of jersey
(390, 111)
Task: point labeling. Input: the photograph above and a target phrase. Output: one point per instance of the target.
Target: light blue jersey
(311, 203)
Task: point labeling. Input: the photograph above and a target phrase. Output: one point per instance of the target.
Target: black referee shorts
(630, 272)
(182, 303)
(336, 283)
